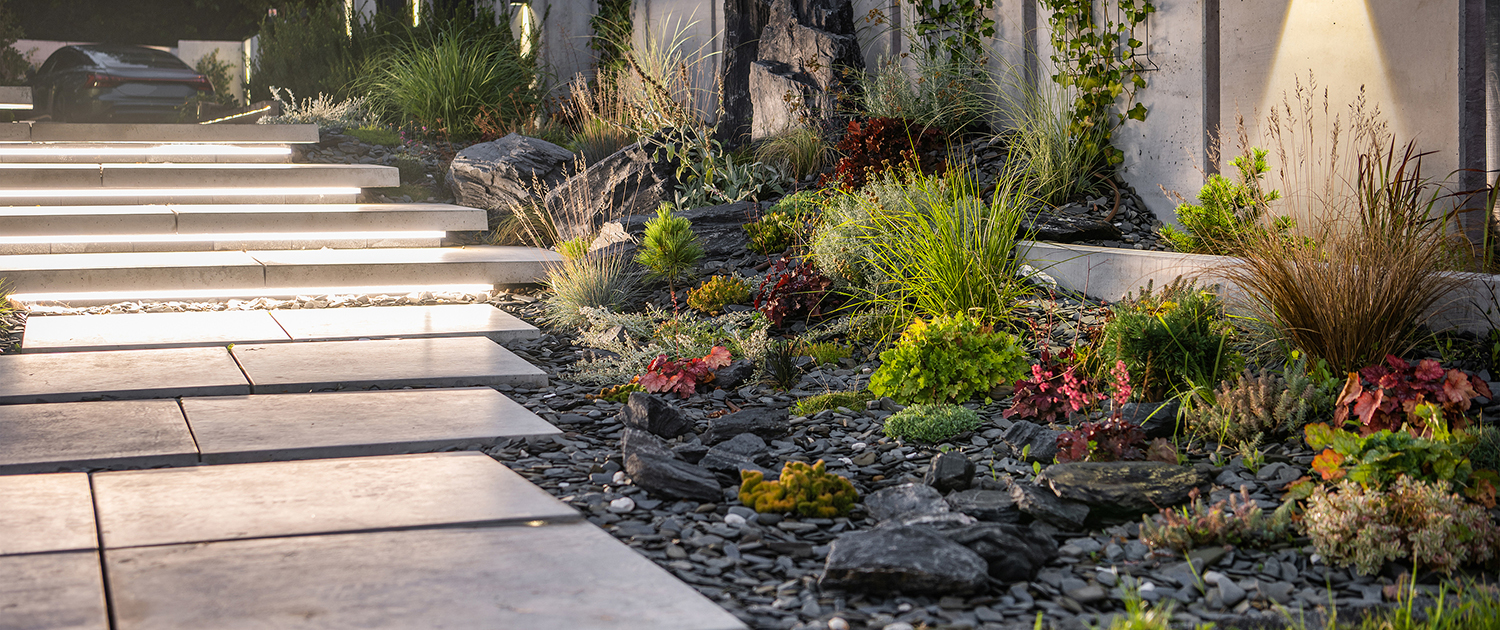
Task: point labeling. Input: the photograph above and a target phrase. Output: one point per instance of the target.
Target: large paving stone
(74, 333)
(556, 577)
(134, 271)
(52, 591)
(324, 496)
(42, 513)
(107, 434)
(405, 266)
(445, 362)
(76, 376)
(235, 429)
(449, 320)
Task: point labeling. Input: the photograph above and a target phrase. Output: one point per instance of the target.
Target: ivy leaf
(1137, 113)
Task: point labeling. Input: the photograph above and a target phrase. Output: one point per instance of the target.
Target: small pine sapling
(670, 249)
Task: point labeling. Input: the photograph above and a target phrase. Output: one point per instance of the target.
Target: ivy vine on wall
(612, 29)
(1095, 54)
(954, 27)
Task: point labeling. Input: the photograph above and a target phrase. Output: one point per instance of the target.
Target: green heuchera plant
(948, 359)
(1417, 522)
(1173, 340)
(807, 490)
(670, 249)
(1377, 459)
(1227, 211)
(931, 423)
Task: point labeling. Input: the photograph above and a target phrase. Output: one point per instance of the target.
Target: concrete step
(21, 177)
(46, 513)
(53, 591)
(202, 504)
(37, 222)
(15, 97)
(139, 331)
(63, 277)
(157, 133)
(93, 153)
(113, 434)
(262, 368)
(142, 196)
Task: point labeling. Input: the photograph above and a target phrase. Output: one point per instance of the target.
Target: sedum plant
(948, 359)
(809, 491)
(1411, 521)
(832, 400)
(931, 423)
(1227, 210)
(1237, 521)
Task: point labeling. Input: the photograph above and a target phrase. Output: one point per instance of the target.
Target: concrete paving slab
(106, 434)
(46, 513)
(155, 271)
(15, 95)
(281, 368)
(555, 577)
(271, 427)
(85, 220)
(92, 153)
(81, 333)
(144, 132)
(264, 218)
(238, 175)
(52, 591)
(447, 320)
(445, 265)
(142, 196)
(119, 374)
(50, 176)
(322, 496)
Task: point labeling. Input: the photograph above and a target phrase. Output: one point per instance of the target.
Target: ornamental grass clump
(1411, 521)
(591, 281)
(931, 423)
(948, 359)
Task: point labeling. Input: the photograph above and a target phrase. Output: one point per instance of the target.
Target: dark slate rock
(1122, 489)
(1013, 553)
(901, 559)
(906, 501)
(1064, 228)
(732, 375)
(654, 468)
(985, 505)
(766, 423)
(748, 445)
(1043, 441)
(691, 452)
(502, 174)
(627, 183)
(808, 49)
(1159, 420)
(655, 415)
(1046, 507)
(720, 229)
(729, 465)
(949, 471)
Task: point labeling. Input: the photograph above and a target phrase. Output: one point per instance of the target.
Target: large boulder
(1122, 489)
(1067, 228)
(1039, 443)
(906, 560)
(655, 468)
(807, 52)
(628, 182)
(720, 229)
(1158, 420)
(762, 421)
(503, 174)
(1013, 553)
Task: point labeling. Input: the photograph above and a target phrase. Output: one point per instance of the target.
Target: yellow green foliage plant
(948, 359)
(717, 292)
(809, 491)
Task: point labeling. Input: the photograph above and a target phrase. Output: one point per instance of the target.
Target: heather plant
(1257, 404)
(1418, 523)
(931, 423)
(809, 491)
(717, 292)
(1227, 210)
(948, 359)
(1172, 340)
(1237, 521)
(774, 232)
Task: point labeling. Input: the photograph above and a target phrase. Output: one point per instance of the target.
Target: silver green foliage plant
(1411, 521)
(589, 281)
(323, 111)
(931, 423)
(637, 338)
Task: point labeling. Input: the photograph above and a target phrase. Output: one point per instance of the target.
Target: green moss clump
(375, 135)
(931, 423)
(831, 400)
(807, 490)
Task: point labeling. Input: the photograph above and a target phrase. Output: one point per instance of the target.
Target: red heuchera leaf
(717, 357)
(1072, 446)
(683, 377)
(1458, 390)
(1053, 391)
(1429, 370)
(1350, 393)
(1329, 464)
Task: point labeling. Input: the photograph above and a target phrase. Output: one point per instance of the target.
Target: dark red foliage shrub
(1053, 391)
(683, 375)
(792, 289)
(880, 144)
(1108, 441)
(1384, 397)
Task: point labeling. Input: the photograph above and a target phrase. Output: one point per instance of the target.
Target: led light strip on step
(149, 151)
(111, 297)
(222, 238)
(173, 192)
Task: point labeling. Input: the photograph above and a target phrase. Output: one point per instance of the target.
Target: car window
(72, 59)
(135, 58)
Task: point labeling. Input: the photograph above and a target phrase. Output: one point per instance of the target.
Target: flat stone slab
(85, 435)
(430, 265)
(271, 427)
(120, 374)
(323, 496)
(45, 513)
(135, 271)
(289, 175)
(262, 218)
(52, 591)
(555, 577)
(280, 368)
(74, 333)
(448, 320)
(168, 132)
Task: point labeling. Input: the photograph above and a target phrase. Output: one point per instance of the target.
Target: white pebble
(619, 478)
(899, 625)
(622, 504)
(838, 623)
(734, 520)
(858, 446)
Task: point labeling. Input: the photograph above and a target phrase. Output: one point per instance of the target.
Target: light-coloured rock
(504, 173)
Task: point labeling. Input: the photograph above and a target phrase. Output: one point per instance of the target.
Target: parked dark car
(114, 83)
